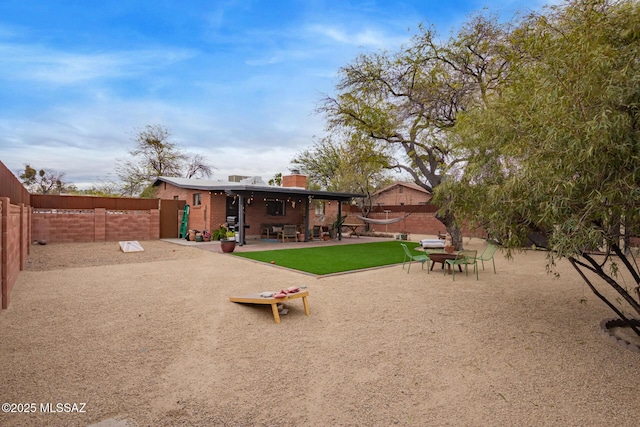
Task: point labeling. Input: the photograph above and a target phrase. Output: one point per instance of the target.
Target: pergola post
(339, 217)
(306, 219)
(241, 219)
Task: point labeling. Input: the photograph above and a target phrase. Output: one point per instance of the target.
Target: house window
(319, 208)
(275, 207)
(197, 199)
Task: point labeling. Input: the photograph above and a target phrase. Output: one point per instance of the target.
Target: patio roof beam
(290, 195)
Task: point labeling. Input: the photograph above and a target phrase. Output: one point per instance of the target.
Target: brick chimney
(294, 180)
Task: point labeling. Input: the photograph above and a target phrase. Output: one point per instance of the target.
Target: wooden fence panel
(12, 188)
(49, 201)
(169, 214)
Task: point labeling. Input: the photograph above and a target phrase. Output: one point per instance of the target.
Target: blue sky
(236, 81)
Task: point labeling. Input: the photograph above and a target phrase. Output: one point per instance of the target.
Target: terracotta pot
(449, 249)
(227, 245)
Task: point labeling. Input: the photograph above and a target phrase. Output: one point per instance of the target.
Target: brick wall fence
(14, 247)
(414, 222)
(15, 231)
(27, 217)
(417, 219)
(94, 225)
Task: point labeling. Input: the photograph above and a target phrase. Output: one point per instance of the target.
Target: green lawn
(334, 259)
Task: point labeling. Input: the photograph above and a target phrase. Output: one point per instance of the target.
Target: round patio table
(441, 257)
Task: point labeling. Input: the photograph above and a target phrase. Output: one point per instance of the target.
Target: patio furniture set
(292, 232)
(450, 260)
(284, 232)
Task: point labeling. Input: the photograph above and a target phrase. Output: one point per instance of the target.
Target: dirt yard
(151, 339)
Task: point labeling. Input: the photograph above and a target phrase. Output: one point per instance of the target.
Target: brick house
(411, 202)
(407, 201)
(401, 194)
(256, 206)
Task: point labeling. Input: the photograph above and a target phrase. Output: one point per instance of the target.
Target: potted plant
(325, 232)
(337, 224)
(220, 233)
(227, 246)
(226, 237)
(229, 243)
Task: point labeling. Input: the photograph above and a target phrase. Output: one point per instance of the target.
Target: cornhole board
(131, 246)
(257, 299)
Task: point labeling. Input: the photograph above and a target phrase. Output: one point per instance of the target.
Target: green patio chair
(409, 257)
(463, 258)
(487, 255)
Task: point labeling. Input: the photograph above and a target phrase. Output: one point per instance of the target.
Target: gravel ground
(151, 338)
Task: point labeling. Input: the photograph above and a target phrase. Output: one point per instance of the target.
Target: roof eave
(243, 189)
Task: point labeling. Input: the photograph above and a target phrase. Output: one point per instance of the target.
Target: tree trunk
(454, 231)
(365, 210)
(626, 249)
(623, 295)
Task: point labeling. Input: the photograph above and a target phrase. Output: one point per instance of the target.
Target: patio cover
(245, 191)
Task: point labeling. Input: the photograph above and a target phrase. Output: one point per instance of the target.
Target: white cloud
(41, 64)
(244, 98)
(87, 140)
(264, 163)
(368, 37)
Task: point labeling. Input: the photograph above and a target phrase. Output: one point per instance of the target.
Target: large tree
(45, 181)
(558, 152)
(197, 166)
(155, 154)
(407, 100)
(348, 162)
